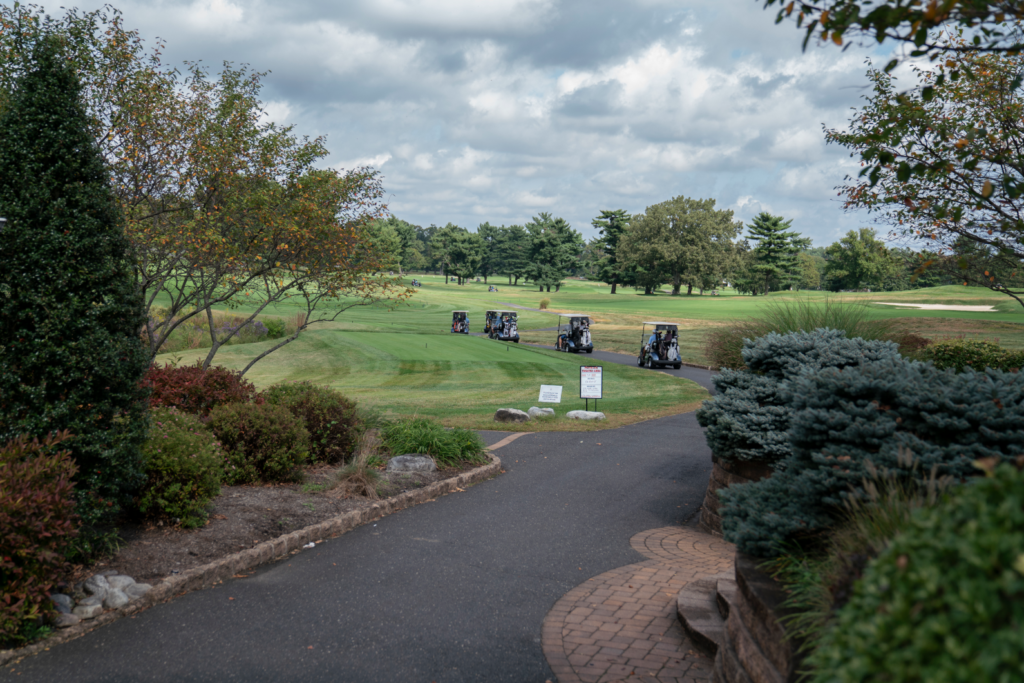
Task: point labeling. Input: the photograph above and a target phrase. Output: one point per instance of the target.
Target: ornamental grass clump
(944, 602)
(448, 447)
(847, 420)
(184, 464)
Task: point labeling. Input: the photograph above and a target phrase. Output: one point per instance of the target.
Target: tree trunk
(613, 287)
(557, 287)
(485, 279)
(510, 280)
(647, 289)
(541, 288)
(517, 281)
(689, 290)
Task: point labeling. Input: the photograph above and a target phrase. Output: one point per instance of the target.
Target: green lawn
(404, 360)
(459, 379)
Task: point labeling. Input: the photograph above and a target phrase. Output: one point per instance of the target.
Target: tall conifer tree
(71, 356)
(777, 248)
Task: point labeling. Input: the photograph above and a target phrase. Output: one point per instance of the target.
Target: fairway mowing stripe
(507, 440)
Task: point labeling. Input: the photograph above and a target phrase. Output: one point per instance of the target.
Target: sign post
(591, 384)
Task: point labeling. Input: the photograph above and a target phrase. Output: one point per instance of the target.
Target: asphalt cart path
(452, 590)
(698, 375)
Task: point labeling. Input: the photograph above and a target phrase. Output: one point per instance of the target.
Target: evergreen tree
(612, 224)
(555, 250)
(513, 246)
(776, 250)
(71, 356)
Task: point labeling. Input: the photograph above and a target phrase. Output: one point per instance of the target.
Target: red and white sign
(591, 381)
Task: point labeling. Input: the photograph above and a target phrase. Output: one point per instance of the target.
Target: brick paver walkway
(622, 625)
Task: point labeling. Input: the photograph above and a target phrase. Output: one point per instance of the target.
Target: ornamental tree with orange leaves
(947, 166)
(223, 208)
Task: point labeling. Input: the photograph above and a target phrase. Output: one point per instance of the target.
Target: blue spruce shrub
(844, 418)
(748, 419)
(945, 601)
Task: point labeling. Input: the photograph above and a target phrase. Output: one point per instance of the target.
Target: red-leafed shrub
(191, 389)
(37, 519)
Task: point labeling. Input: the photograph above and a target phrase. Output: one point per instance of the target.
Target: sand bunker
(942, 307)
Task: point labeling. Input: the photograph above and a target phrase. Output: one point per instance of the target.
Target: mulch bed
(241, 517)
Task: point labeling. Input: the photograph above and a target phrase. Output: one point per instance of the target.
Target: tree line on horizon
(681, 243)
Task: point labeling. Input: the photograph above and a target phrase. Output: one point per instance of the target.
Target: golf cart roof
(662, 323)
(506, 311)
(491, 310)
(460, 311)
(574, 315)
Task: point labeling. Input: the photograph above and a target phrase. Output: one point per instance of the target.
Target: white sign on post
(550, 393)
(591, 381)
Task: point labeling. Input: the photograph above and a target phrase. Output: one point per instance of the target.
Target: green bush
(723, 346)
(846, 421)
(945, 602)
(330, 418)
(264, 442)
(275, 328)
(37, 519)
(970, 353)
(748, 418)
(449, 447)
(70, 353)
(183, 463)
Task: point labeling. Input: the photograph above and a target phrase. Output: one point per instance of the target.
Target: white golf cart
(574, 335)
(661, 348)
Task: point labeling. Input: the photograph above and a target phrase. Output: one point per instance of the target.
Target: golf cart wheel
(516, 340)
(590, 350)
(677, 366)
(640, 361)
(649, 365)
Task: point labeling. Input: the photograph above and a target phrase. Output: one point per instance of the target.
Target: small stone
(540, 412)
(78, 592)
(88, 611)
(62, 602)
(510, 415)
(63, 620)
(584, 415)
(96, 585)
(411, 462)
(137, 590)
(92, 600)
(115, 599)
(120, 582)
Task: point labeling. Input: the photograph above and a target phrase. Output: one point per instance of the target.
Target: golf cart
(490, 322)
(507, 327)
(460, 322)
(661, 348)
(574, 336)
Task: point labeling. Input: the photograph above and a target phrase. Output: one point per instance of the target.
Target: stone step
(700, 614)
(725, 590)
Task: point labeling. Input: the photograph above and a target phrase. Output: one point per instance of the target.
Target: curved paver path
(452, 590)
(622, 624)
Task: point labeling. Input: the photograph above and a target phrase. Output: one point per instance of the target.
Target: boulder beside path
(584, 415)
(510, 415)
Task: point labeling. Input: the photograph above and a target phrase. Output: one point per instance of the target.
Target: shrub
(194, 390)
(330, 418)
(970, 353)
(544, 303)
(70, 354)
(449, 447)
(748, 418)
(844, 419)
(183, 464)
(37, 516)
(275, 328)
(723, 346)
(264, 442)
(945, 601)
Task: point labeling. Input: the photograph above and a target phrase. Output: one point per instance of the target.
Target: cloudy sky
(496, 110)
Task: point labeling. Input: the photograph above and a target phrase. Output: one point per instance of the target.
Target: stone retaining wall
(755, 648)
(723, 475)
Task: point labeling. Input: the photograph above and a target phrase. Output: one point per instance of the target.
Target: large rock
(540, 412)
(584, 415)
(510, 415)
(64, 620)
(137, 590)
(412, 462)
(93, 600)
(115, 599)
(62, 602)
(96, 585)
(120, 582)
(88, 611)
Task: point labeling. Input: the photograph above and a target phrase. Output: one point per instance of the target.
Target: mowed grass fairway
(458, 379)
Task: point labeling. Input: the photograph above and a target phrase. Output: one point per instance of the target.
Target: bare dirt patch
(241, 517)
